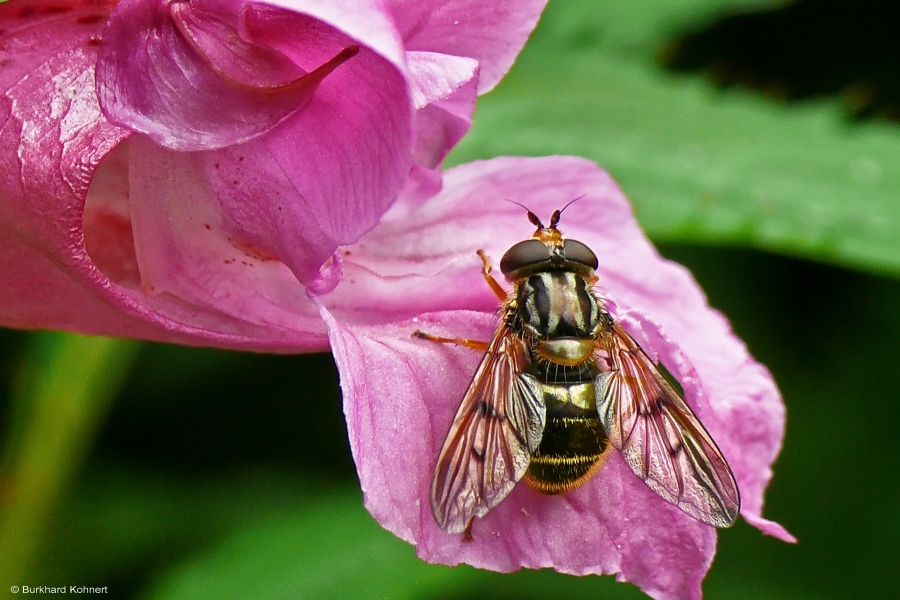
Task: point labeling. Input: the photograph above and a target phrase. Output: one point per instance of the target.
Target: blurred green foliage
(227, 475)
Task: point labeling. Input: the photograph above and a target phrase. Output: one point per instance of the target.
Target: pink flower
(132, 210)
(400, 393)
(172, 169)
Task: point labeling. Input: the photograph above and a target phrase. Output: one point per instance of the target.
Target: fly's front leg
(486, 269)
(478, 345)
(471, 344)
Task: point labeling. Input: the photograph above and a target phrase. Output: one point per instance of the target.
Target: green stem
(60, 398)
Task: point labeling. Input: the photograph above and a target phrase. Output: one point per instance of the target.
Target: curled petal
(201, 74)
(328, 172)
(296, 201)
(211, 29)
(345, 156)
(366, 21)
(329, 277)
(444, 91)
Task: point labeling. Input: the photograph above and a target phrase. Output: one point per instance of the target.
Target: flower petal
(493, 33)
(327, 174)
(436, 76)
(400, 393)
(52, 133)
(612, 525)
(186, 248)
(296, 213)
(424, 260)
(346, 155)
(444, 92)
(204, 74)
(363, 20)
(65, 187)
(212, 30)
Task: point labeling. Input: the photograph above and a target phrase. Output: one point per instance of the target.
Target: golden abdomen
(574, 444)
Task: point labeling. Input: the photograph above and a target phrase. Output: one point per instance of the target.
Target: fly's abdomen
(574, 444)
(571, 451)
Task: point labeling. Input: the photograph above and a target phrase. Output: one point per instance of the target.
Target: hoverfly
(560, 385)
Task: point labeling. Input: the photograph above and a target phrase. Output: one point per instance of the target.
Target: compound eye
(577, 252)
(524, 254)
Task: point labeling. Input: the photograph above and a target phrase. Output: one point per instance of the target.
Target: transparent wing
(498, 425)
(659, 436)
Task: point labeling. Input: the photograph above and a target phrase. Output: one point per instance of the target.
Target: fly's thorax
(559, 311)
(558, 304)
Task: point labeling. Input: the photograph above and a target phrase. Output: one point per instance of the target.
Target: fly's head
(547, 250)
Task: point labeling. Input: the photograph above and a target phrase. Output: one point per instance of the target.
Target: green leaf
(635, 23)
(698, 164)
(60, 398)
(123, 522)
(330, 549)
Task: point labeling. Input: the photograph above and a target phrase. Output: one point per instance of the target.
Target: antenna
(557, 214)
(531, 216)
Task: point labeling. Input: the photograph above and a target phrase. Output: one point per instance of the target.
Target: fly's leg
(467, 534)
(471, 344)
(486, 272)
